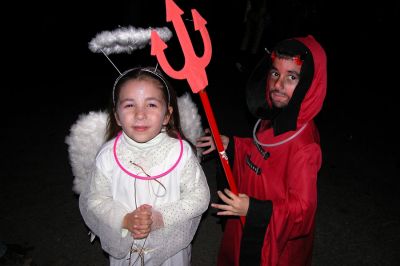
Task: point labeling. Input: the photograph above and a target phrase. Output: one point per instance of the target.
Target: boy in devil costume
(276, 170)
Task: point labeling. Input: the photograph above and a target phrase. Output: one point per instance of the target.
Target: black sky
(47, 44)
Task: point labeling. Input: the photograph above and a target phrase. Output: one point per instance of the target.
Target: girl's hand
(139, 222)
(237, 205)
(208, 141)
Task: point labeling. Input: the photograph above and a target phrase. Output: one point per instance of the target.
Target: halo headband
(127, 40)
(142, 69)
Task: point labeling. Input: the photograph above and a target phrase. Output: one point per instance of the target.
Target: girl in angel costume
(146, 190)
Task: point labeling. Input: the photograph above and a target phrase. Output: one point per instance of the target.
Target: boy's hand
(208, 141)
(237, 205)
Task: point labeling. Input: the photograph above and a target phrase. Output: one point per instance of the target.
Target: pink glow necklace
(147, 177)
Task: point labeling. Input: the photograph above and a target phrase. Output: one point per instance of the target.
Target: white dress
(111, 194)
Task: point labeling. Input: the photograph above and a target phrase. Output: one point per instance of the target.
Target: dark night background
(50, 76)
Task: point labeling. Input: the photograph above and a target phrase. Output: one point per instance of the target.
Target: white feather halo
(125, 39)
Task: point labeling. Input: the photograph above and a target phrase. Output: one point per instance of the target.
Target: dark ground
(52, 77)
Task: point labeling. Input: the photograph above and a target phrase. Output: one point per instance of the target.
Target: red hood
(314, 98)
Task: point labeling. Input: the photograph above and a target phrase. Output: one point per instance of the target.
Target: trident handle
(218, 143)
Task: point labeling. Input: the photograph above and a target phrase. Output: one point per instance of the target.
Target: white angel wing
(190, 120)
(87, 135)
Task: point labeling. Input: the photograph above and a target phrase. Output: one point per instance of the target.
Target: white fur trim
(125, 39)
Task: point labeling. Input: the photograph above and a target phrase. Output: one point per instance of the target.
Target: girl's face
(282, 80)
(141, 110)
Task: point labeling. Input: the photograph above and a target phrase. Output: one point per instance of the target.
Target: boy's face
(282, 81)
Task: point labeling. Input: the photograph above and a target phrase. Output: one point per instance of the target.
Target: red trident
(193, 71)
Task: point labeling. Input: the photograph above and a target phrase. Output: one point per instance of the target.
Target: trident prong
(194, 67)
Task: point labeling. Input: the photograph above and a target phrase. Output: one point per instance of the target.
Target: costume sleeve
(103, 215)
(194, 194)
(257, 219)
(181, 218)
(293, 216)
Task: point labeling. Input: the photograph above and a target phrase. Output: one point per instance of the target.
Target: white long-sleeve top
(181, 199)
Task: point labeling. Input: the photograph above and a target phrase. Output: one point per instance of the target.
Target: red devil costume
(278, 167)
